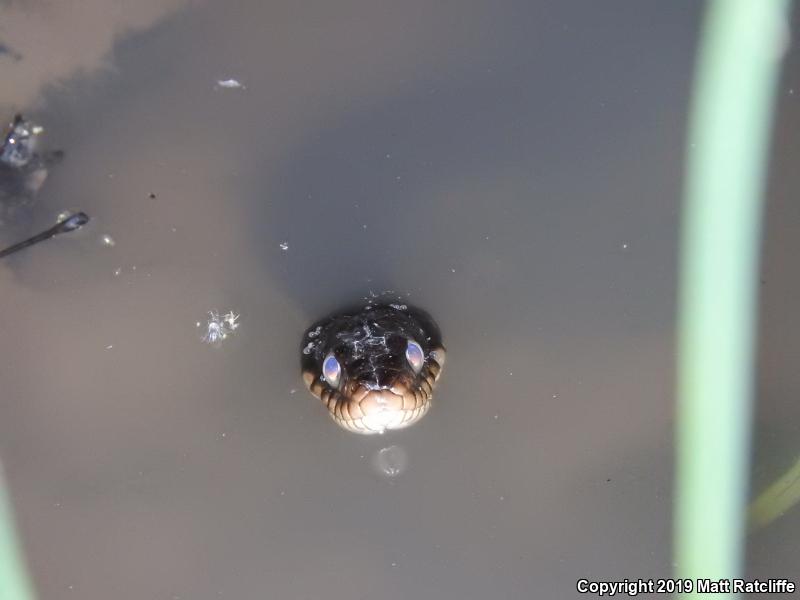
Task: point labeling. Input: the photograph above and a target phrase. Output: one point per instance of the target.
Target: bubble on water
(390, 461)
(284, 246)
(107, 240)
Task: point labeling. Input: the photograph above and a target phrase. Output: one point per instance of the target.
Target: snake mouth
(375, 411)
(368, 408)
(374, 370)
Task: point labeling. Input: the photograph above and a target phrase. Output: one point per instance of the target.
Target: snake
(374, 368)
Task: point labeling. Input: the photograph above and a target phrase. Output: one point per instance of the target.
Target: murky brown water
(512, 168)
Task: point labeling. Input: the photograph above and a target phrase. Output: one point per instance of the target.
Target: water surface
(513, 168)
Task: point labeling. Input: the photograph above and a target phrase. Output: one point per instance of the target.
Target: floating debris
(284, 246)
(107, 240)
(19, 146)
(219, 327)
(23, 169)
(71, 223)
(230, 84)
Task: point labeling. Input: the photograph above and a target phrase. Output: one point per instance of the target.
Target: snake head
(375, 368)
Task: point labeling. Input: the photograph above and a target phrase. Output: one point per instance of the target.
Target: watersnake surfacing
(374, 368)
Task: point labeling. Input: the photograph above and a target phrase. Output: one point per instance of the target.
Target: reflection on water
(513, 168)
(390, 461)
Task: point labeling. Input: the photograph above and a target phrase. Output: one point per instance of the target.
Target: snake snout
(382, 409)
(378, 410)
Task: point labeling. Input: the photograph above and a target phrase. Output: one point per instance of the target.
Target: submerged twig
(71, 223)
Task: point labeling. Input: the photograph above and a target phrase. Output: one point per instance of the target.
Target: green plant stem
(778, 498)
(15, 584)
(729, 128)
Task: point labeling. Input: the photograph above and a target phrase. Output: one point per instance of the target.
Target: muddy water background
(514, 168)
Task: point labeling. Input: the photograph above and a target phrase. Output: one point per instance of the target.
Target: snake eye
(415, 356)
(331, 370)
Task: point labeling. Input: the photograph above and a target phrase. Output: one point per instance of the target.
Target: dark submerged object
(374, 368)
(19, 145)
(23, 169)
(71, 223)
(22, 172)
